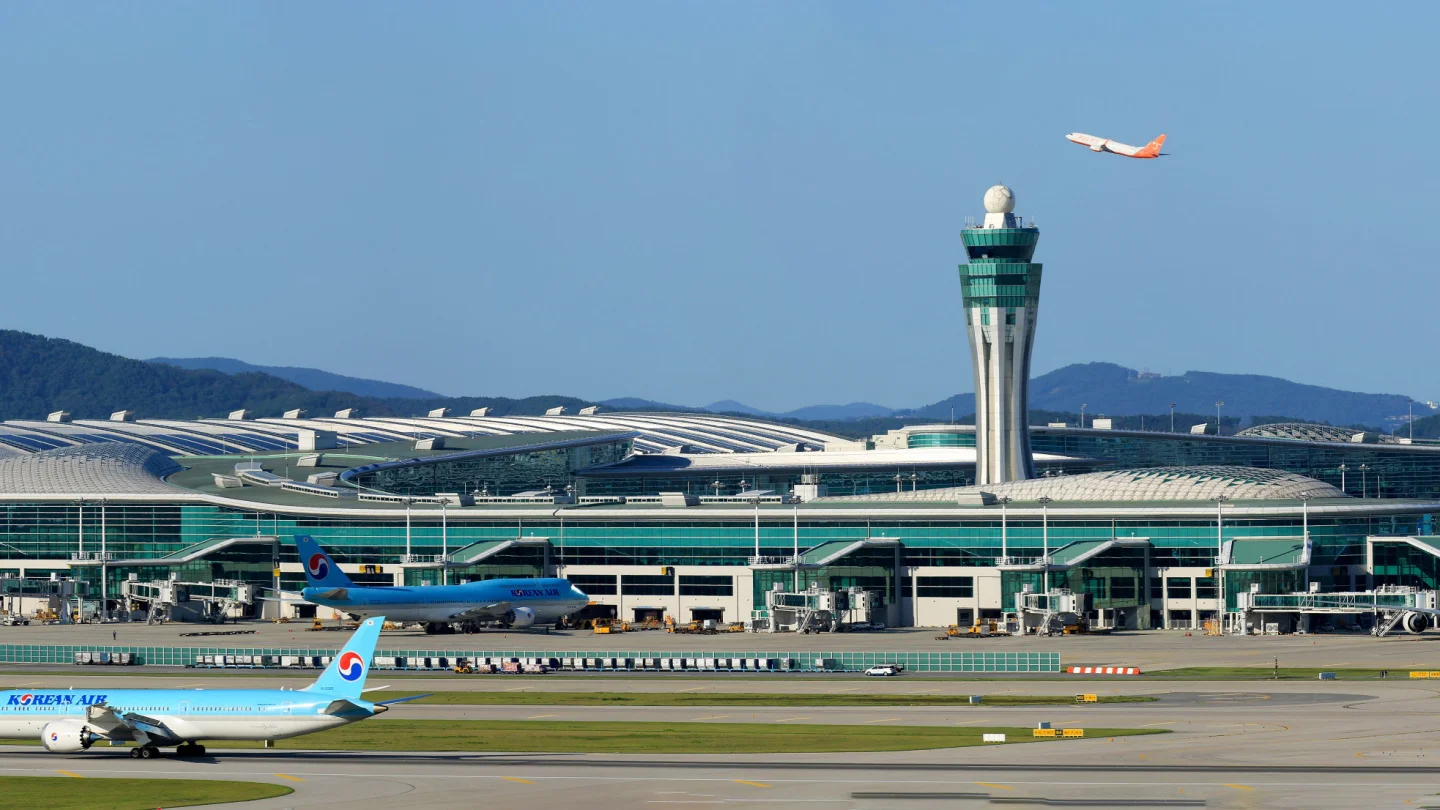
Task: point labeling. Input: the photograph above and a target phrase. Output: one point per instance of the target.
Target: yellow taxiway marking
(838, 691)
(517, 780)
(538, 716)
(751, 784)
(289, 777)
(969, 722)
(993, 785)
(886, 720)
(788, 719)
(1238, 787)
(714, 717)
(68, 773)
(1162, 723)
(518, 689)
(694, 689)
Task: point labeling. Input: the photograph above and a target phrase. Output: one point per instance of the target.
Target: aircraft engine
(522, 617)
(67, 736)
(1415, 623)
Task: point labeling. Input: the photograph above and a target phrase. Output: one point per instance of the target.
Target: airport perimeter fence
(802, 661)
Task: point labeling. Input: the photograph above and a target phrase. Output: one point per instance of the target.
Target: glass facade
(497, 474)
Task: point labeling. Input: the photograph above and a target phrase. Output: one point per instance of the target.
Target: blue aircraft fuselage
(521, 601)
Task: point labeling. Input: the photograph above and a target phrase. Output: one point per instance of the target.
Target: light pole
(1082, 414)
(1342, 468)
(914, 481)
(1218, 405)
(1045, 539)
(1004, 526)
(1363, 469)
(1411, 420)
(1172, 417)
(1219, 552)
(898, 479)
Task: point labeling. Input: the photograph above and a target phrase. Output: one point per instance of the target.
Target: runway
(957, 778)
(1332, 744)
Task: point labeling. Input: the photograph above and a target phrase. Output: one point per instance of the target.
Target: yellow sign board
(1074, 732)
(1087, 698)
(1047, 732)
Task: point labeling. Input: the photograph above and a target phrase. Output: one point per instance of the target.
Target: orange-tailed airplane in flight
(1149, 150)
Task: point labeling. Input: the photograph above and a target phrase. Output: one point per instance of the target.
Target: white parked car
(883, 670)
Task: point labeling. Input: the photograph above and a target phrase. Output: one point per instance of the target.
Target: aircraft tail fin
(345, 677)
(1152, 149)
(320, 570)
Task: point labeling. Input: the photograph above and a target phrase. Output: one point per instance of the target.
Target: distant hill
(854, 410)
(312, 378)
(39, 375)
(638, 404)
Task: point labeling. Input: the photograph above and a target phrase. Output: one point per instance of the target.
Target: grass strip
(69, 793)
(797, 700)
(537, 736)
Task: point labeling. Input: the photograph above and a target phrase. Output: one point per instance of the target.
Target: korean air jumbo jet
(1149, 150)
(71, 720)
(518, 603)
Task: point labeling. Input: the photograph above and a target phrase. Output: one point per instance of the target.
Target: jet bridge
(1050, 612)
(172, 600)
(1412, 609)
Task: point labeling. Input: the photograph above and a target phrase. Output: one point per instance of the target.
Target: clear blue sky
(695, 201)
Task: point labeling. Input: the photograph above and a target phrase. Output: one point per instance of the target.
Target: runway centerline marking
(993, 785)
(289, 777)
(751, 784)
(68, 773)
(517, 780)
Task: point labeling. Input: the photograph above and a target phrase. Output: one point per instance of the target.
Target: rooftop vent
(312, 440)
(589, 410)
(435, 443)
(439, 413)
(558, 410)
(122, 416)
(480, 412)
(1101, 424)
(294, 413)
(347, 413)
(240, 415)
(1200, 429)
(1056, 424)
(58, 416)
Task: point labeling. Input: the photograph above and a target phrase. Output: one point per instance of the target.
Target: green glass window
(951, 587)
(1177, 587)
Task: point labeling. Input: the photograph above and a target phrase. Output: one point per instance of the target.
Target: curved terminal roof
(104, 469)
(1150, 484)
(1304, 431)
(656, 432)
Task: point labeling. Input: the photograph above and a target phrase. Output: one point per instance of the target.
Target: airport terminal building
(698, 516)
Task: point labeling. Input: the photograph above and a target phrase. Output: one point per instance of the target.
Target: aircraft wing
(130, 724)
(492, 610)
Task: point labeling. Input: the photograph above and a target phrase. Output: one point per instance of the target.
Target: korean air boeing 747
(72, 720)
(518, 603)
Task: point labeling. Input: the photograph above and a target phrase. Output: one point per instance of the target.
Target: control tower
(1002, 296)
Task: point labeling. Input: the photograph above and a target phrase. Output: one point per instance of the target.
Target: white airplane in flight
(1149, 150)
(71, 720)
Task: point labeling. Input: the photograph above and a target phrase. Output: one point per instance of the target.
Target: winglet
(320, 570)
(1152, 149)
(345, 677)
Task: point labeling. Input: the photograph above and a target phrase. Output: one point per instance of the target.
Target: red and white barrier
(1104, 670)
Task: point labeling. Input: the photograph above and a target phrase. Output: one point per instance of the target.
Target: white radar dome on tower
(999, 200)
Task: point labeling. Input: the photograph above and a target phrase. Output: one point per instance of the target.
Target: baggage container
(125, 659)
(82, 658)
(289, 660)
(665, 664)
(102, 658)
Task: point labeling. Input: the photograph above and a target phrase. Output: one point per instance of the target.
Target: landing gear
(190, 750)
(144, 752)
(438, 628)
